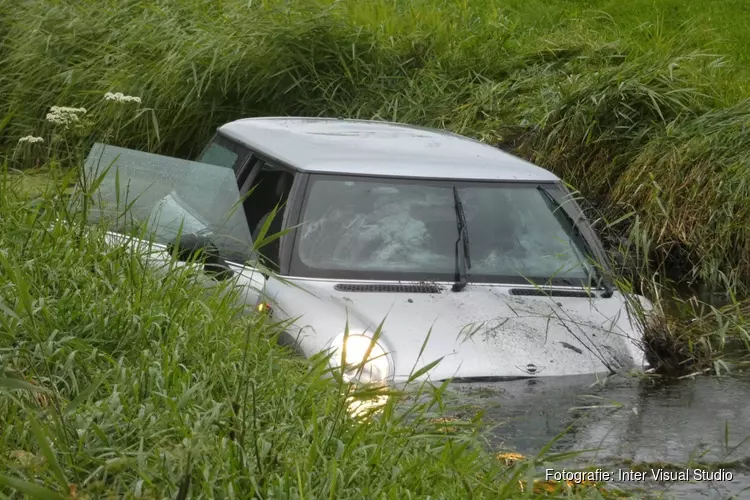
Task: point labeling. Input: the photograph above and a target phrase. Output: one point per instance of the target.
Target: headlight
(376, 369)
(264, 308)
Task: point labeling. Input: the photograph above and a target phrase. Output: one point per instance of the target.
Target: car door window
(216, 154)
(166, 197)
(224, 153)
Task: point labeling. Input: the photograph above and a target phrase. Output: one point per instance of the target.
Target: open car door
(165, 207)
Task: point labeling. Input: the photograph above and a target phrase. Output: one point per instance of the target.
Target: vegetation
(121, 382)
(625, 101)
(118, 381)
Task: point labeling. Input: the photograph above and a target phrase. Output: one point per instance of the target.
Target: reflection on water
(629, 423)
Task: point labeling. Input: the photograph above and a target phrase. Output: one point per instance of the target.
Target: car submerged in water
(405, 250)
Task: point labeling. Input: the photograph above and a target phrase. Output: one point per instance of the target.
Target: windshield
(375, 228)
(162, 194)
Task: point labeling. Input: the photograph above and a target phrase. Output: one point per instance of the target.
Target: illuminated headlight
(264, 308)
(375, 369)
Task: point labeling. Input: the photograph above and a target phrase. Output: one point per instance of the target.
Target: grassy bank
(118, 382)
(626, 101)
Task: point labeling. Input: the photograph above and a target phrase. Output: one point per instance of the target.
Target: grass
(642, 106)
(119, 381)
(685, 337)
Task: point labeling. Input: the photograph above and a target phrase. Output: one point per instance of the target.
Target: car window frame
(573, 209)
(557, 188)
(292, 218)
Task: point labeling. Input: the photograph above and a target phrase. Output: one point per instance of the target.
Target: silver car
(401, 248)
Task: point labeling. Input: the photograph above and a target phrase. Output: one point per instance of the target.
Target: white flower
(64, 116)
(30, 139)
(120, 97)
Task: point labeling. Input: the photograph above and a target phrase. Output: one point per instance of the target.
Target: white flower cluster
(30, 139)
(61, 115)
(120, 97)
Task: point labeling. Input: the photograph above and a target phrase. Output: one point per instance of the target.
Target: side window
(269, 189)
(223, 153)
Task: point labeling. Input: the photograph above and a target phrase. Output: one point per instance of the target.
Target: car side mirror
(196, 246)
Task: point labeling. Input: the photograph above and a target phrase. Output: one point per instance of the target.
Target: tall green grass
(631, 106)
(118, 381)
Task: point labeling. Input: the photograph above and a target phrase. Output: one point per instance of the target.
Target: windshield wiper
(463, 262)
(557, 208)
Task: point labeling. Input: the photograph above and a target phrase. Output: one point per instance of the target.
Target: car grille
(389, 288)
(536, 292)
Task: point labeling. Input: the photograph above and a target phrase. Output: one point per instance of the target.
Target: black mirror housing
(192, 246)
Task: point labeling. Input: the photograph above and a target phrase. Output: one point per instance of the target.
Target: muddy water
(628, 424)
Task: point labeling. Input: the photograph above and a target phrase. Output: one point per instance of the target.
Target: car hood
(481, 332)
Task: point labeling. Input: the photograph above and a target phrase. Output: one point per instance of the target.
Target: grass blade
(48, 453)
(17, 384)
(83, 395)
(30, 489)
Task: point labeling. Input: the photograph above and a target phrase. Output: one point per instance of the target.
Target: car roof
(375, 148)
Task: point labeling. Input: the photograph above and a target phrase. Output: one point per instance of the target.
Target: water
(628, 421)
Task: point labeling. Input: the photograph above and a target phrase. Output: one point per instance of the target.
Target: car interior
(269, 190)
